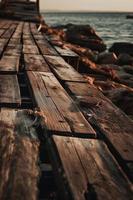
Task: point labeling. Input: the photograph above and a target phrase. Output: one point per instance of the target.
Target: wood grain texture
(3, 43)
(116, 126)
(9, 64)
(33, 28)
(28, 42)
(83, 89)
(8, 33)
(21, 10)
(63, 70)
(19, 148)
(66, 52)
(9, 91)
(64, 104)
(30, 49)
(19, 30)
(6, 24)
(35, 63)
(15, 41)
(27, 37)
(69, 56)
(13, 50)
(85, 169)
(45, 47)
(1, 32)
(53, 120)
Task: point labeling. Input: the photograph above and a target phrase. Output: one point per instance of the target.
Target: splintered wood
(86, 170)
(116, 127)
(19, 147)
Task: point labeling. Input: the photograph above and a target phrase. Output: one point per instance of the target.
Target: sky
(87, 5)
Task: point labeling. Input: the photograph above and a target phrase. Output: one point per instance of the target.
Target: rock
(125, 59)
(85, 30)
(128, 69)
(107, 58)
(123, 98)
(85, 36)
(122, 47)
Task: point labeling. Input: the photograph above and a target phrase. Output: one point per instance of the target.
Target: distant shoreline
(61, 11)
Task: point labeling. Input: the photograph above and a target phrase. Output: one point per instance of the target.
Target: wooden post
(38, 6)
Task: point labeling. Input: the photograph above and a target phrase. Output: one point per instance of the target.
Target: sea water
(111, 27)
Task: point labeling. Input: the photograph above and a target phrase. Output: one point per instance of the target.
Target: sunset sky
(87, 5)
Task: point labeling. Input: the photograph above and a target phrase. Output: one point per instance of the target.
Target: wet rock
(122, 47)
(85, 36)
(125, 59)
(107, 58)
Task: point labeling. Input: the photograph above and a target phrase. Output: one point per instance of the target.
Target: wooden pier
(48, 109)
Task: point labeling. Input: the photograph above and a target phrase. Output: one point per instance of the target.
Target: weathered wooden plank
(3, 43)
(16, 35)
(69, 56)
(30, 49)
(9, 64)
(40, 38)
(2, 23)
(63, 70)
(33, 28)
(19, 149)
(66, 52)
(54, 121)
(65, 105)
(13, 50)
(18, 32)
(28, 42)
(116, 127)
(83, 89)
(26, 28)
(6, 24)
(45, 47)
(8, 33)
(35, 63)
(85, 169)
(1, 32)
(27, 37)
(9, 91)
(21, 11)
(15, 41)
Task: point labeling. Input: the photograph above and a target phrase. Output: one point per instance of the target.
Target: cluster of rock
(110, 71)
(84, 36)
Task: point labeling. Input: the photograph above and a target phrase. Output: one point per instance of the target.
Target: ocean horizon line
(79, 11)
